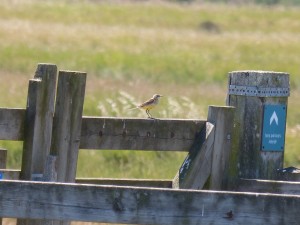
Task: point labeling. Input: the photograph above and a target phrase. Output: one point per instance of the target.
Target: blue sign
(1, 176)
(273, 135)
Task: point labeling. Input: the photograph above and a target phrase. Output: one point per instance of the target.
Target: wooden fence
(53, 130)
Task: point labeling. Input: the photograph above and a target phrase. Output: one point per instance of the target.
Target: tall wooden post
(67, 123)
(222, 119)
(38, 122)
(38, 126)
(260, 98)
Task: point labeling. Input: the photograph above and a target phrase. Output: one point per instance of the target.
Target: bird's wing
(147, 103)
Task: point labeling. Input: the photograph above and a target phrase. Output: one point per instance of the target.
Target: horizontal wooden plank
(12, 124)
(270, 186)
(8, 174)
(113, 204)
(139, 134)
(117, 133)
(126, 182)
(288, 176)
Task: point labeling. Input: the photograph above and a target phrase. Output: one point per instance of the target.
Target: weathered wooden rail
(117, 133)
(53, 130)
(113, 204)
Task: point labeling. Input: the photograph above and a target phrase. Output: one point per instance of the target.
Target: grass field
(132, 50)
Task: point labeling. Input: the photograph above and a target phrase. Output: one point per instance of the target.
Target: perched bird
(149, 104)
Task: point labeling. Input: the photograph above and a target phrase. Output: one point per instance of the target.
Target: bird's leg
(148, 113)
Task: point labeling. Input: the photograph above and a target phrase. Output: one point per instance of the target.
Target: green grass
(120, 164)
(122, 39)
(132, 50)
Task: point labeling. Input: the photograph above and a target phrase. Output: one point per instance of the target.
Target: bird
(149, 104)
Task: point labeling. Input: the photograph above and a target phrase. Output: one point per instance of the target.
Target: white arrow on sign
(274, 117)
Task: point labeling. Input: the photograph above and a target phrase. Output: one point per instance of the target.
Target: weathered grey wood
(138, 134)
(270, 186)
(144, 205)
(47, 73)
(67, 123)
(222, 118)
(3, 157)
(12, 124)
(29, 128)
(51, 170)
(39, 120)
(38, 126)
(9, 174)
(196, 167)
(288, 176)
(250, 161)
(126, 182)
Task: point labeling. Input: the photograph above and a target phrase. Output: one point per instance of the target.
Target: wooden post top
(259, 78)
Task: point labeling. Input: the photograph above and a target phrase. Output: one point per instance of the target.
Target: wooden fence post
(29, 127)
(38, 126)
(222, 118)
(38, 122)
(67, 123)
(260, 98)
(209, 155)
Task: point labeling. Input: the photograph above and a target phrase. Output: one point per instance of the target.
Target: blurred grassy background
(133, 49)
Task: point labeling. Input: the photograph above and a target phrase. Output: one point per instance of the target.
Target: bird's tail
(134, 108)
